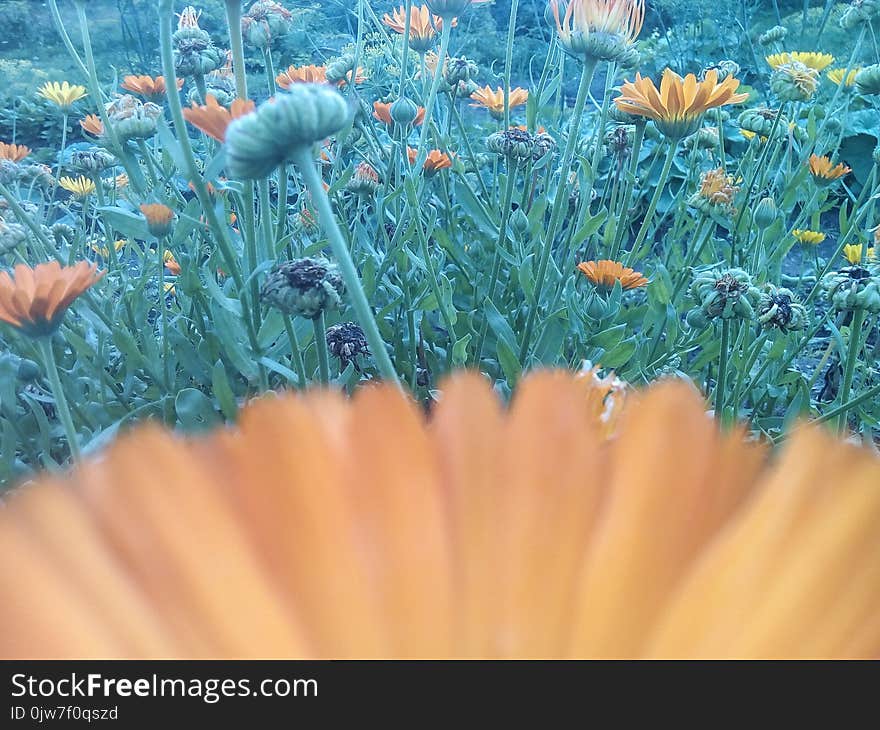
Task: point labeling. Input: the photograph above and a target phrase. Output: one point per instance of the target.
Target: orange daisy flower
(147, 86)
(171, 263)
(423, 26)
(214, 119)
(824, 172)
(310, 75)
(605, 274)
(93, 125)
(159, 218)
(34, 300)
(434, 162)
(382, 112)
(493, 99)
(678, 107)
(14, 152)
(484, 532)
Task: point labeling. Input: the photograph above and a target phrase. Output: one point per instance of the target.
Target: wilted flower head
(194, 51)
(794, 81)
(603, 30)
(131, 118)
(346, 341)
(12, 235)
(159, 218)
(304, 287)
(516, 145)
(92, 160)
(853, 287)
(265, 22)
(778, 308)
(722, 293)
(776, 34)
(859, 12)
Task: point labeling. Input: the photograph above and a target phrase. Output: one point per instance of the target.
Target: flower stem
(321, 347)
(295, 352)
(233, 19)
(655, 201)
(48, 355)
(445, 34)
(560, 201)
(303, 160)
(721, 383)
(852, 355)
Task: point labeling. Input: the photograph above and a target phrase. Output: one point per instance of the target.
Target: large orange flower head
(152, 89)
(602, 30)
(34, 300)
(482, 532)
(825, 172)
(213, 119)
(13, 152)
(423, 26)
(678, 107)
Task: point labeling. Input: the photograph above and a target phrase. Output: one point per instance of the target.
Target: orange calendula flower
(382, 112)
(34, 300)
(171, 263)
(159, 218)
(824, 172)
(213, 119)
(92, 124)
(147, 86)
(423, 26)
(484, 532)
(14, 152)
(310, 75)
(493, 99)
(434, 162)
(678, 107)
(605, 274)
(601, 29)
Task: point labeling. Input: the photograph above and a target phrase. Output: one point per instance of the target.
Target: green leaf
(194, 409)
(223, 391)
(126, 222)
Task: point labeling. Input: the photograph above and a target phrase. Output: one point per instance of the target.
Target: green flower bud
(868, 80)
(519, 221)
(765, 213)
(404, 111)
(774, 35)
(304, 287)
(256, 143)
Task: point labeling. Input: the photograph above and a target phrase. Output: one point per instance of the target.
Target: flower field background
(649, 190)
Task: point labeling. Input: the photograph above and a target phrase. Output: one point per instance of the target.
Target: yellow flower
(852, 252)
(836, 76)
(606, 273)
(104, 251)
(493, 99)
(81, 187)
(811, 238)
(63, 95)
(600, 29)
(482, 532)
(750, 135)
(810, 59)
(678, 107)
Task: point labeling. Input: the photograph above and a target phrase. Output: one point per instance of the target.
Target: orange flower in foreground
(92, 124)
(213, 119)
(14, 152)
(147, 86)
(606, 273)
(493, 99)
(485, 532)
(435, 161)
(34, 300)
(678, 107)
(382, 112)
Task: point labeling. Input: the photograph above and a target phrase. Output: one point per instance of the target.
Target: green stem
(302, 159)
(560, 201)
(445, 34)
(321, 347)
(655, 200)
(511, 32)
(852, 355)
(63, 147)
(841, 410)
(721, 383)
(202, 87)
(166, 350)
(295, 352)
(233, 20)
(48, 355)
(270, 70)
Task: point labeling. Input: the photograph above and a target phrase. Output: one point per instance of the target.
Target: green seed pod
(515, 145)
(304, 287)
(265, 22)
(91, 161)
(460, 71)
(256, 143)
(724, 293)
(194, 52)
(28, 370)
(346, 341)
(404, 112)
(859, 12)
(868, 80)
(519, 221)
(774, 35)
(759, 121)
(220, 87)
(340, 69)
(853, 287)
(766, 213)
(133, 119)
(11, 236)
